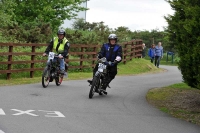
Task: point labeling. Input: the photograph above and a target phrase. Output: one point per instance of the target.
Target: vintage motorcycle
(99, 77)
(52, 71)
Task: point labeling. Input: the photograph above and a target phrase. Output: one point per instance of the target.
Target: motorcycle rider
(113, 53)
(59, 45)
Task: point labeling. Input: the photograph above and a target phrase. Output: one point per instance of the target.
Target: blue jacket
(151, 52)
(110, 55)
(158, 51)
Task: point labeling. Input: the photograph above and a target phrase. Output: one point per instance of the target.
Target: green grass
(178, 100)
(136, 66)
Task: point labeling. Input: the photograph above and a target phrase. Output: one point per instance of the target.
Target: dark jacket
(110, 52)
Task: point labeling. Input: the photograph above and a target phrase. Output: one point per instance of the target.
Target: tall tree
(34, 20)
(183, 28)
(51, 11)
(7, 18)
(6, 12)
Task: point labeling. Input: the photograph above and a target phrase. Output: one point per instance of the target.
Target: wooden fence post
(94, 56)
(132, 50)
(32, 63)
(9, 59)
(125, 51)
(81, 57)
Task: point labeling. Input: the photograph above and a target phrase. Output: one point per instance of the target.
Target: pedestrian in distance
(158, 54)
(151, 53)
(143, 50)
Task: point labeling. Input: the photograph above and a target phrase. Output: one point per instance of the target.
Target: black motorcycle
(52, 71)
(99, 77)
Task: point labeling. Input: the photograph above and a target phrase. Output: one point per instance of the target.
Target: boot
(104, 92)
(89, 81)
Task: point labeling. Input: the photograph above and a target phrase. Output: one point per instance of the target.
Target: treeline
(36, 21)
(97, 32)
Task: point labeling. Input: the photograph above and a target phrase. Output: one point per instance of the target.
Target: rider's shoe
(100, 93)
(89, 81)
(104, 92)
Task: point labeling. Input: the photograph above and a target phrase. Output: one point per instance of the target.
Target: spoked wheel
(45, 77)
(95, 86)
(59, 79)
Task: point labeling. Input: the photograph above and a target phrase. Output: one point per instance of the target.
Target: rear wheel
(95, 86)
(46, 77)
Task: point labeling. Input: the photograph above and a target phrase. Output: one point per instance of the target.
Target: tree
(123, 33)
(29, 21)
(6, 12)
(50, 11)
(183, 28)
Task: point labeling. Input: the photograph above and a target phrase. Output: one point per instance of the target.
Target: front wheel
(46, 77)
(95, 86)
(59, 79)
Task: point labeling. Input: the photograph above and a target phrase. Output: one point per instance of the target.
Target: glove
(99, 56)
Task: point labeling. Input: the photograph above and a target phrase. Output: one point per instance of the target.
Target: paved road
(67, 108)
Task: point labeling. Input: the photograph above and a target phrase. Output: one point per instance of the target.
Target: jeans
(157, 60)
(62, 62)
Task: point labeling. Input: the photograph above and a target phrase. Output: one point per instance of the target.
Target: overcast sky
(134, 14)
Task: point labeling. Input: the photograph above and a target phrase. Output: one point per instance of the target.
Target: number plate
(51, 55)
(101, 67)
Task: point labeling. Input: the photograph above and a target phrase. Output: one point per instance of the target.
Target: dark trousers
(152, 59)
(157, 61)
(112, 73)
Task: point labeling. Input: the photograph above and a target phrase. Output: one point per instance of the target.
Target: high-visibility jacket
(61, 47)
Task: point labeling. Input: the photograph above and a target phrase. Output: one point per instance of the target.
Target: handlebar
(55, 55)
(104, 60)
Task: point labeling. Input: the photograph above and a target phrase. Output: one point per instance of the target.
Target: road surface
(67, 108)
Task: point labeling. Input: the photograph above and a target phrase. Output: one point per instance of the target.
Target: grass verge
(135, 66)
(178, 100)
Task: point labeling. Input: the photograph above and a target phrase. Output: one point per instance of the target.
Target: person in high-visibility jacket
(59, 45)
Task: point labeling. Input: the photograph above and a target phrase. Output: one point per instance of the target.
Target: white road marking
(53, 113)
(29, 112)
(24, 112)
(2, 113)
(2, 131)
